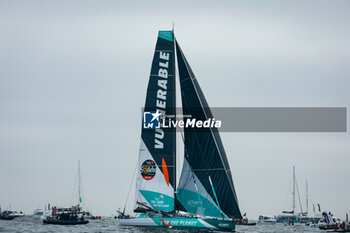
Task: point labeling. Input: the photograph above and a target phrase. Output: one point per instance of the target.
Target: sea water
(33, 225)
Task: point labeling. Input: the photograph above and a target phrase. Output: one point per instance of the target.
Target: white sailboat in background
(73, 215)
(292, 216)
(81, 203)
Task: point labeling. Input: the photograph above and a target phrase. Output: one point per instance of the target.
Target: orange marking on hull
(165, 171)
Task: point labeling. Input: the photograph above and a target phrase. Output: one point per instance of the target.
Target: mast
(307, 198)
(174, 155)
(79, 183)
(293, 190)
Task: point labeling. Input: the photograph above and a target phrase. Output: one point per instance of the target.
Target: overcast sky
(73, 78)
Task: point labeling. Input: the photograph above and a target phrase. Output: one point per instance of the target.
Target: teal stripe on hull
(288, 220)
(180, 223)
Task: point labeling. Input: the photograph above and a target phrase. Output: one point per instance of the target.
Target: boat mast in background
(293, 190)
(80, 200)
(307, 198)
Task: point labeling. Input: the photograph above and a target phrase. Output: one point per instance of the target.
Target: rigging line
(287, 196)
(79, 183)
(127, 197)
(75, 184)
(301, 208)
(175, 112)
(313, 204)
(307, 197)
(216, 198)
(81, 189)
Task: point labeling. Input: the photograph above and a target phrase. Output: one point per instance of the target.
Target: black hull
(65, 222)
(328, 228)
(7, 217)
(247, 224)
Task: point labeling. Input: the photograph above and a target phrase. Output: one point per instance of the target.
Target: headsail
(205, 157)
(156, 171)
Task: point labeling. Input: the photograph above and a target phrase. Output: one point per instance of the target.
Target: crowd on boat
(55, 215)
(69, 216)
(325, 221)
(10, 214)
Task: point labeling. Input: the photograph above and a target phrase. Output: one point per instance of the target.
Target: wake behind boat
(205, 193)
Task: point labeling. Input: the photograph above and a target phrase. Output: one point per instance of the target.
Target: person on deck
(342, 225)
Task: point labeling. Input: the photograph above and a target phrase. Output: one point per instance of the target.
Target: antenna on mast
(173, 27)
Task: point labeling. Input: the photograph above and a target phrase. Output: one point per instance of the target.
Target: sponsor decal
(194, 203)
(223, 225)
(161, 99)
(184, 222)
(148, 169)
(151, 120)
(191, 123)
(158, 202)
(157, 120)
